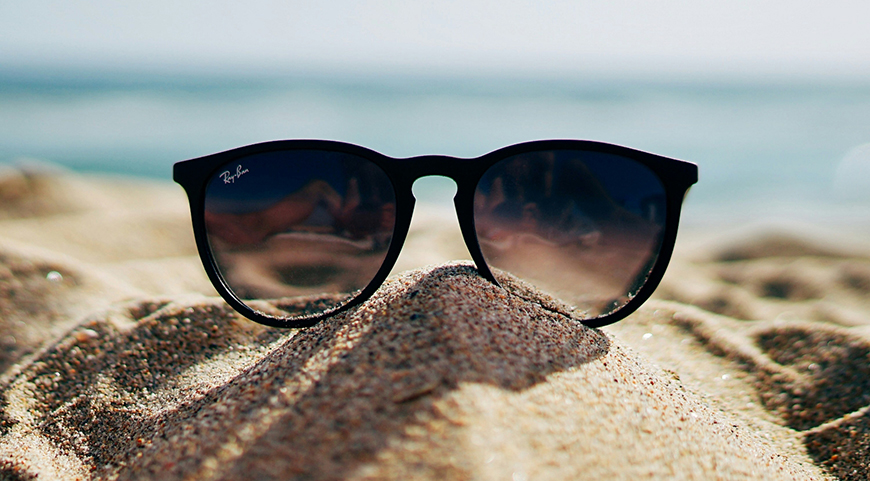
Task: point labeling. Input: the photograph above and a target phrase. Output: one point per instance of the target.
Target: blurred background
(771, 99)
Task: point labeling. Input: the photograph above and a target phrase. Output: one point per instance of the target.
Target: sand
(118, 361)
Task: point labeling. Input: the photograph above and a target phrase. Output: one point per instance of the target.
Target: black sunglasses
(291, 232)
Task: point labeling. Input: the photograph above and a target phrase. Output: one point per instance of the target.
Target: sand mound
(441, 374)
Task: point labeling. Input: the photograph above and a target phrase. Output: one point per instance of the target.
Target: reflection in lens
(583, 226)
(303, 229)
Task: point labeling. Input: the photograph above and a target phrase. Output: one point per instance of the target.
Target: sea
(767, 149)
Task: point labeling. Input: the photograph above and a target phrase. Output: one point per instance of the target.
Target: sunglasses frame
(675, 175)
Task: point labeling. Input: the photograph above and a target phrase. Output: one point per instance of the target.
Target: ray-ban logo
(230, 178)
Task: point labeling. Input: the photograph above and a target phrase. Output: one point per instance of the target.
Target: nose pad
(434, 236)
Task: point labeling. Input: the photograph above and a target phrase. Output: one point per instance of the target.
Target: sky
(665, 36)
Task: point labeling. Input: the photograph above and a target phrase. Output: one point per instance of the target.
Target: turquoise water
(764, 148)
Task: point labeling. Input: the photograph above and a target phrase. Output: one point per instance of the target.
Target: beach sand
(751, 362)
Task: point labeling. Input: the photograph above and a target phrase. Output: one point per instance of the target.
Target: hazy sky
(667, 35)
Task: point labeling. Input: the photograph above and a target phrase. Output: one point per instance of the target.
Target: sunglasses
(291, 232)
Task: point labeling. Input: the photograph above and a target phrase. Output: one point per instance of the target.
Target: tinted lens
(303, 229)
(583, 226)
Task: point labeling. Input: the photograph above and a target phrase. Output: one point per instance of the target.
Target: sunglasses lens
(304, 230)
(583, 226)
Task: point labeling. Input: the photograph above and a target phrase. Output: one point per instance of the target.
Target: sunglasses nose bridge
(465, 173)
(434, 165)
